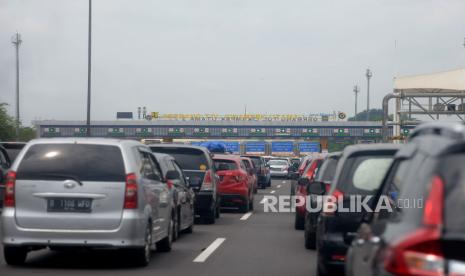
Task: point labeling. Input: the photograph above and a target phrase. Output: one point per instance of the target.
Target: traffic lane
(263, 244)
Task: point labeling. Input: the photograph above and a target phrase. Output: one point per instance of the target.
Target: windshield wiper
(64, 176)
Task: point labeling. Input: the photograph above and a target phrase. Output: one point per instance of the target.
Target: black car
(323, 176)
(5, 164)
(263, 171)
(197, 164)
(424, 234)
(183, 196)
(360, 171)
(13, 149)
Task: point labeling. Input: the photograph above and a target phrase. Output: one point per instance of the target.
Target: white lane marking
(279, 186)
(246, 216)
(272, 192)
(284, 182)
(209, 250)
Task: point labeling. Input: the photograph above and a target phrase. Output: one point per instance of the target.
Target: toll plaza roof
(448, 81)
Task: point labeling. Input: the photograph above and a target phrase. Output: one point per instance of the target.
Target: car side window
(156, 168)
(181, 173)
(246, 164)
(148, 169)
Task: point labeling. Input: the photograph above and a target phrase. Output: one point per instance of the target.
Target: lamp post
(89, 63)
(16, 40)
(356, 91)
(368, 74)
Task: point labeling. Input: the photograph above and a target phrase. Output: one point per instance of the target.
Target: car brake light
(337, 195)
(420, 253)
(130, 193)
(10, 189)
(169, 183)
(434, 205)
(207, 184)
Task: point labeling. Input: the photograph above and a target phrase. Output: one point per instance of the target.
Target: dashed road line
(246, 216)
(202, 257)
(279, 186)
(272, 192)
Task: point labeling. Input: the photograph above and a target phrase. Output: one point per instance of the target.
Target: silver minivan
(86, 192)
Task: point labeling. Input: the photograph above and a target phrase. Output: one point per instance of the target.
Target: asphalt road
(259, 244)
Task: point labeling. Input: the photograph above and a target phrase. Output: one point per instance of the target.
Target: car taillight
(336, 195)
(207, 184)
(169, 183)
(420, 253)
(10, 189)
(130, 193)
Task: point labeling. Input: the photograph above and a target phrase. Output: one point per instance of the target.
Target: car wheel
(244, 208)
(14, 255)
(251, 205)
(310, 239)
(141, 256)
(176, 226)
(321, 271)
(218, 211)
(298, 222)
(165, 244)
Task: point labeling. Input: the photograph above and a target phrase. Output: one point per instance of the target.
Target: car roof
(204, 149)
(349, 150)
(80, 140)
(227, 157)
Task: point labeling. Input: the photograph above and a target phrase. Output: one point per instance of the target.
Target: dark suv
(323, 176)
(263, 171)
(359, 173)
(197, 164)
(424, 234)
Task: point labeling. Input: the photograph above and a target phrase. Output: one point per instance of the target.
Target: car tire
(218, 211)
(244, 208)
(15, 256)
(211, 216)
(165, 244)
(320, 270)
(299, 222)
(141, 256)
(176, 226)
(251, 205)
(310, 239)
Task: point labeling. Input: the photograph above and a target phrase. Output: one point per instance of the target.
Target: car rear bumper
(204, 203)
(232, 200)
(279, 173)
(130, 233)
(331, 249)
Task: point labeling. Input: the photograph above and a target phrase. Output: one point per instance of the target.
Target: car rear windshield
(187, 158)
(363, 175)
(327, 170)
(453, 172)
(256, 160)
(83, 162)
(226, 164)
(277, 163)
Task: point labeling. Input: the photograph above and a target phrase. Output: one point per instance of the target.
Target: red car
(301, 190)
(304, 163)
(252, 171)
(236, 183)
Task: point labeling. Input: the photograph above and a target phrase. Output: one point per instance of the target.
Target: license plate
(72, 205)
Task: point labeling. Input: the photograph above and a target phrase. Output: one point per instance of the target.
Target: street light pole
(368, 74)
(356, 91)
(89, 63)
(16, 40)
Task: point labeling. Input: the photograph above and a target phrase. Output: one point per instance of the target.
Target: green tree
(8, 129)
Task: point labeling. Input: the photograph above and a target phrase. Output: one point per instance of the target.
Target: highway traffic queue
(107, 193)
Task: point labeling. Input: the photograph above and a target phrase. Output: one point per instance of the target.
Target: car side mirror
(316, 188)
(172, 175)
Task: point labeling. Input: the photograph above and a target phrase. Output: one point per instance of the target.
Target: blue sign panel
(255, 147)
(309, 147)
(282, 146)
(232, 147)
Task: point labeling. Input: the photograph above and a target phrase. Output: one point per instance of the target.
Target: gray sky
(215, 56)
